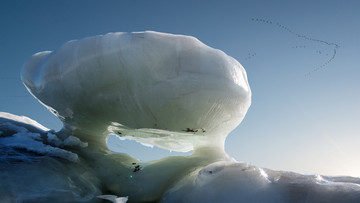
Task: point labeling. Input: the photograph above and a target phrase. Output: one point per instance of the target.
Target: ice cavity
(167, 90)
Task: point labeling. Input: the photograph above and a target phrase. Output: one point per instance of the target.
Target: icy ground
(37, 166)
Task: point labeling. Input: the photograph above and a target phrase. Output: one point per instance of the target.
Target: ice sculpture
(167, 90)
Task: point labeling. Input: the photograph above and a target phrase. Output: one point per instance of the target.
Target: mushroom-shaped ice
(167, 90)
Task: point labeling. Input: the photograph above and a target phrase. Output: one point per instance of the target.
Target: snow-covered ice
(22, 119)
(205, 176)
(241, 182)
(26, 134)
(114, 198)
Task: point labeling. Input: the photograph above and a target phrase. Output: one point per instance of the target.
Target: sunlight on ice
(171, 91)
(163, 90)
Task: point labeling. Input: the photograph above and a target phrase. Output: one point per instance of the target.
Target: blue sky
(308, 123)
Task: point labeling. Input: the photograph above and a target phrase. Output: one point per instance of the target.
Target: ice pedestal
(167, 90)
(171, 91)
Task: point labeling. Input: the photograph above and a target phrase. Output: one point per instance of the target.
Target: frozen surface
(167, 90)
(114, 198)
(202, 177)
(241, 182)
(37, 165)
(22, 119)
(22, 133)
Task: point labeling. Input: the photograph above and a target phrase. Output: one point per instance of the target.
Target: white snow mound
(23, 119)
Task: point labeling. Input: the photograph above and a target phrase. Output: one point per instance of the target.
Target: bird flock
(305, 37)
(250, 56)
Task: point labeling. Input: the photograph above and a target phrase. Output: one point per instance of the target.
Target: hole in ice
(141, 151)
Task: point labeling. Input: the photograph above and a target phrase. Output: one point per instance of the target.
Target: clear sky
(302, 60)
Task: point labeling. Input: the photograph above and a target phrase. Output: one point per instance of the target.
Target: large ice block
(167, 90)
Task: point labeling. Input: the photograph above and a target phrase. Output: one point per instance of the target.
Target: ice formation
(167, 90)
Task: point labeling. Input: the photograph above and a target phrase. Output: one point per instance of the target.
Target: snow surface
(17, 134)
(240, 182)
(22, 119)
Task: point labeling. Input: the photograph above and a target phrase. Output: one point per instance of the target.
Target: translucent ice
(159, 89)
(167, 90)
